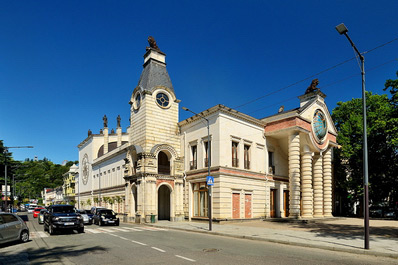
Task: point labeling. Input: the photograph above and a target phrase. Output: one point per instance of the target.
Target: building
(68, 187)
(278, 166)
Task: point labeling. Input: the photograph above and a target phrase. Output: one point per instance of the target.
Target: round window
(137, 100)
(162, 99)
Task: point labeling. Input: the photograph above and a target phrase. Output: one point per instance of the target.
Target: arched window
(163, 164)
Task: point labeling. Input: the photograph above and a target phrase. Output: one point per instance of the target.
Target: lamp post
(208, 162)
(343, 31)
(5, 165)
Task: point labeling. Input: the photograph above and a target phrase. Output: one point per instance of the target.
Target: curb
(286, 242)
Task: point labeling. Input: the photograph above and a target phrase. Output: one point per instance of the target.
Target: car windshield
(63, 209)
(107, 212)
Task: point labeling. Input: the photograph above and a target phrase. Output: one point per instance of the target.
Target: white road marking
(42, 234)
(158, 249)
(152, 228)
(94, 231)
(120, 229)
(138, 243)
(123, 238)
(181, 257)
(133, 229)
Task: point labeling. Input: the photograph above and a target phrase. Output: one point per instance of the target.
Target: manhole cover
(210, 250)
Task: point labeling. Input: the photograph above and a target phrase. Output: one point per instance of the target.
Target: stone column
(327, 183)
(106, 140)
(306, 183)
(294, 174)
(119, 136)
(318, 186)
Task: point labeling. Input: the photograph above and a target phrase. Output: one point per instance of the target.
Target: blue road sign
(210, 181)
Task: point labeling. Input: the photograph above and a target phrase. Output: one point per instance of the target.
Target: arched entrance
(164, 203)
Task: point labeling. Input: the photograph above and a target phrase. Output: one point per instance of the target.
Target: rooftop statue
(152, 43)
(105, 119)
(118, 119)
(313, 87)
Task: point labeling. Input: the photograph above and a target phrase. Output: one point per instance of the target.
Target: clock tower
(154, 168)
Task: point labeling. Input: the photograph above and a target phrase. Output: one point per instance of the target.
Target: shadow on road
(47, 255)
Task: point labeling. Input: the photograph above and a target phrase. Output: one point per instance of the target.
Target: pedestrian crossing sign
(210, 181)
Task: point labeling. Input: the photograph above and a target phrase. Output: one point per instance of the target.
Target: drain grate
(210, 250)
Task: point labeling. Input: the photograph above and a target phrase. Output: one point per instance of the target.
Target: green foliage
(382, 149)
(88, 202)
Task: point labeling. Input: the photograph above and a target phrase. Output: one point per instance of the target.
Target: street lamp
(5, 165)
(208, 162)
(343, 31)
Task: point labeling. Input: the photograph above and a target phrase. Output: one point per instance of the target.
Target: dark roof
(154, 74)
(111, 146)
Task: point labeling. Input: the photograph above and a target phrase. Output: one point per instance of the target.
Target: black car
(105, 216)
(61, 217)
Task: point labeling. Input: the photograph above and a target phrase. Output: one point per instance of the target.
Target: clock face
(319, 125)
(85, 169)
(162, 99)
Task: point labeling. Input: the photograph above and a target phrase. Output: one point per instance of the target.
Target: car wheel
(45, 227)
(100, 223)
(80, 230)
(24, 236)
(51, 230)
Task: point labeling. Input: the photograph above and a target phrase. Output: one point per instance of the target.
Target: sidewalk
(338, 234)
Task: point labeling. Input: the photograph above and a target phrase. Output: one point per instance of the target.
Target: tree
(382, 150)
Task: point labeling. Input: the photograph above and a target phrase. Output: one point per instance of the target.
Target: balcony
(235, 162)
(193, 165)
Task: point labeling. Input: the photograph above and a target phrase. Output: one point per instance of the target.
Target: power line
(311, 76)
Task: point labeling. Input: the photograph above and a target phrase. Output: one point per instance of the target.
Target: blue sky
(64, 64)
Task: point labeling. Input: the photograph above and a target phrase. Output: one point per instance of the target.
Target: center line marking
(181, 257)
(158, 249)
(138, 242)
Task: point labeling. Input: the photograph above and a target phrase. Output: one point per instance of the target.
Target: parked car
(61, 217)
(95, 208)
(31, 208)
(86, 218)
(41, 216)
(13, 228)
(36, 211)
(105, 216)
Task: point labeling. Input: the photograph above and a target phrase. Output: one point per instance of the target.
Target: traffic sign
(210, 181)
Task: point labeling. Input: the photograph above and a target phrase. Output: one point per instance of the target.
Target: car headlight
(55, 218)
(79, 217)
(102, 217)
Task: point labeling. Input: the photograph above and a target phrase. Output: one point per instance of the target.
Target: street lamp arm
(200, 115)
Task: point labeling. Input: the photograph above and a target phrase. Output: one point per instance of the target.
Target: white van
(32, 207)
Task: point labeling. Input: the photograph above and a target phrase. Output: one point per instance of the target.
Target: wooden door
(273, 203)
(235, 205)
(248, 206)
(286, 202)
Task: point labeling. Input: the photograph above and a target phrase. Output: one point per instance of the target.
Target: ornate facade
(278, 166)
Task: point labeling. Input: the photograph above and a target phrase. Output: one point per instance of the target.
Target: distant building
(278, 166)
(69, 185)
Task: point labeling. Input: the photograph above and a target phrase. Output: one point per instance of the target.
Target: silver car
(13, 228)
(41, 216)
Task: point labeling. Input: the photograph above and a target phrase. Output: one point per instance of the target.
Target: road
(140, 244)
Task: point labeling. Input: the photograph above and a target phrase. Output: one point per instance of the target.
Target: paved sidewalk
(338, 234)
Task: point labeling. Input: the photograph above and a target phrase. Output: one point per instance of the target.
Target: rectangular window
(194, 154)
(200, 200)
(246, 150)
(235, 154)
(206, 151)
(271, 164)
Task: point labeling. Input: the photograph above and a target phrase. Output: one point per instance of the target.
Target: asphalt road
(139, 244)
